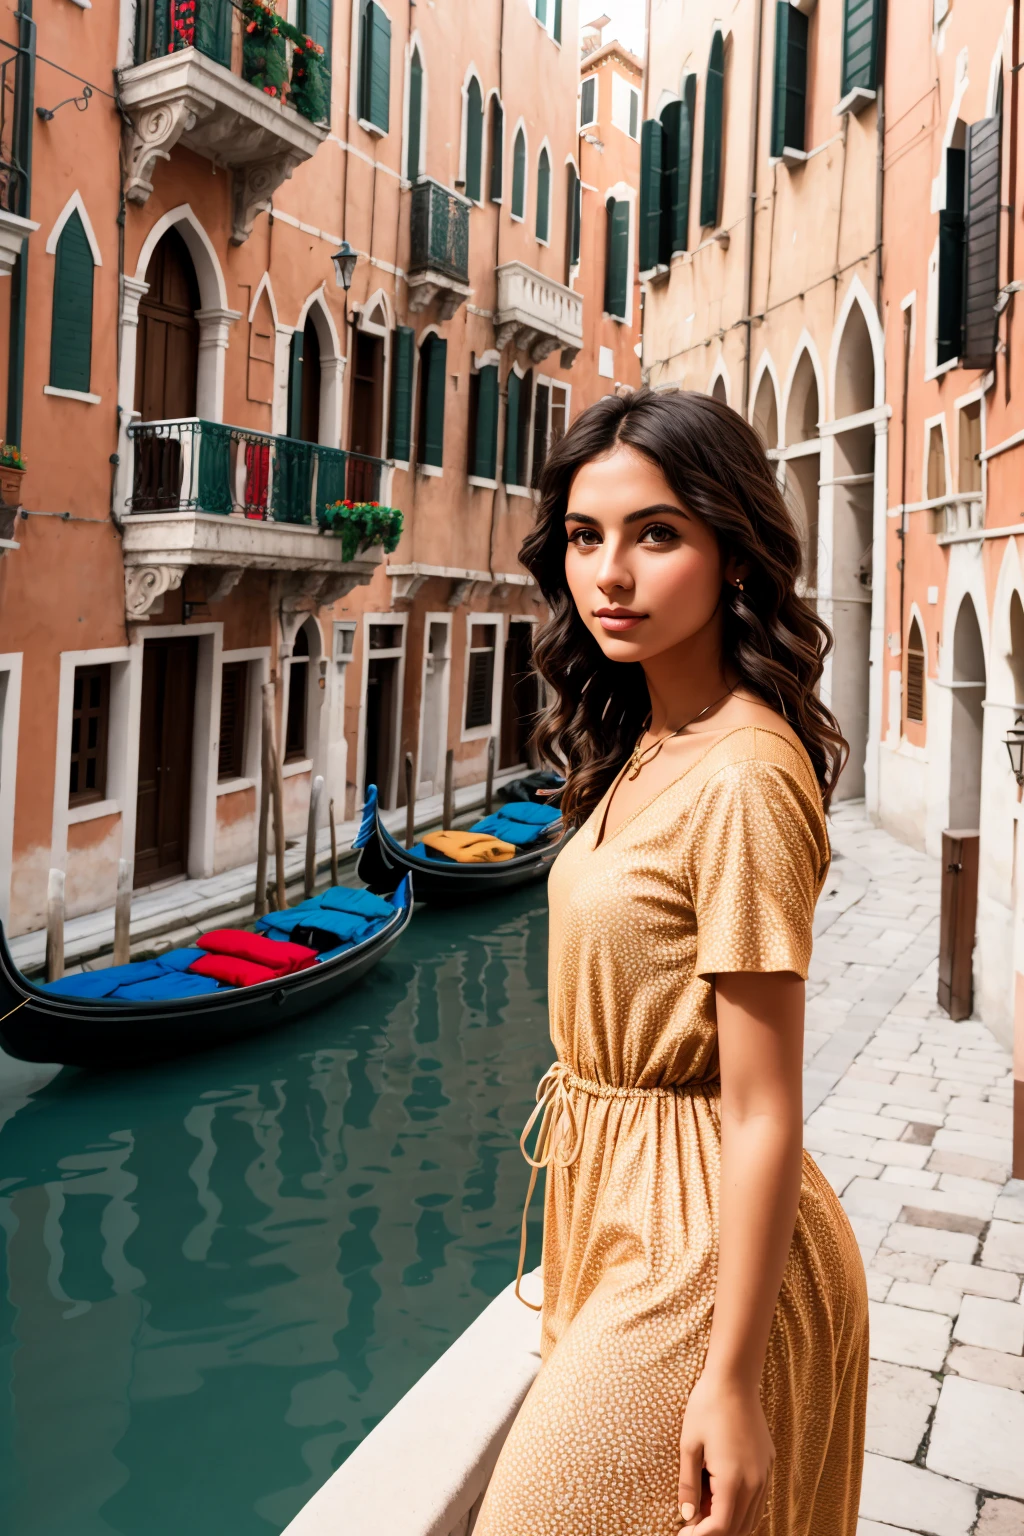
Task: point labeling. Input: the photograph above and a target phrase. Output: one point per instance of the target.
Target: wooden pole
(410, 803)
(266, 778)
(55, 925)
(489, 789)
(449, 799)
(123, 912)
(277, 786)
(334, 842)
(316, 794)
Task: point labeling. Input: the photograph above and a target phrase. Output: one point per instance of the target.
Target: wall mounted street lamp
(1015, 746)
(344, 265)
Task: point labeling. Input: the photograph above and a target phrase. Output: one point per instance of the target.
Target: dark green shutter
(295, 386)
(514, 387)
(634, 113)
(541, 413)
(677, 213)
(71, 330)
(668, 190)
(434, 365)
(374, 94)
(557, 25)
(213, 30)
(412, 167)
(400, 410)
(497, 149)
(315, 21)
(860, 45)
(485, 440)
(981, 243)
(542, 12)
(572, 220)
(543, 195)
(711, 169)
(474, 140)
(577, 217)
(789, 99)
(651, 136)
(951, 261)
(519, 176)
(617, 259)
(588, 101)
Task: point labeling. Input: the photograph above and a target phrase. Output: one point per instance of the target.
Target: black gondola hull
(85, 1032)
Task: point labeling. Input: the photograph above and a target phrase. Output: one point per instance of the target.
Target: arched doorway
(968, 689)
(803, 469)
(766, 411)
(304, 384)
(166, 371)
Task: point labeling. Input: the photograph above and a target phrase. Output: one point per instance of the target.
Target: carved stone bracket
(537, 344)
(461, 592)
(404, 588)
(155, 132)
(306, 590)
(221, 582)
(252, 189)
(145, 586)
(569, 356)
(425, 287)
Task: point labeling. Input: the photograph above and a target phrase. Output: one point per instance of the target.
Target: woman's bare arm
(760, 1034)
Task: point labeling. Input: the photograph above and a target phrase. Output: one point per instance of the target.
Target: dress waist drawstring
(554, 1101)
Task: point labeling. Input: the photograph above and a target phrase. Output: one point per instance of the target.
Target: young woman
(704, 1335)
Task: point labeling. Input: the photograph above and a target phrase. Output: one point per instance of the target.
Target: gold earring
(739, 586)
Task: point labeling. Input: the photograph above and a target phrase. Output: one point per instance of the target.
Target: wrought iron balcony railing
(439, 231)
(205, 466)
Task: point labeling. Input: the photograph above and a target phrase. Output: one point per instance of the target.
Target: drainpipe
(1011, 238)
(24, 97)
(902, 530)
(748, 281)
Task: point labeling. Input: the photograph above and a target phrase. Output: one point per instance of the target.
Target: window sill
(619, 319)
(232, 786)
(517, 218)
(545, 243)
(794, 158)
(400, 464)
(477, 732)
(942, 368)
(300, 765)
(368, 127)
(430, 471)
(72, 394)
(854, 101)
(92, 810)
(519, 490)
(482, 483)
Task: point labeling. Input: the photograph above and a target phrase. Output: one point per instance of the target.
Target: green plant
(10, 458)
(310, 87)
(264, 58)
(361, 525)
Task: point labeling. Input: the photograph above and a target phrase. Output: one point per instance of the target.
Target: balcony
(256, 103)
(958, 518)
(539, 314)
(13, 226)
(439, 260)
(209, 495)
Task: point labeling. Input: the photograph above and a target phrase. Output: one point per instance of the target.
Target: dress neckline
(602, 839)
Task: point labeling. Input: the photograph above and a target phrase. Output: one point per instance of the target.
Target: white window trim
(472, 73)
(482, 483)
(391, 618)
(493, 726)
(978, 394)
(367, 127)
(414, 45)
(597, 95)
(257, 657)
(72, 394)
(10, 724)
(430, 619)
(544, 146)
(74, 204)
(520, 218)
(121, 780)
(939, 421)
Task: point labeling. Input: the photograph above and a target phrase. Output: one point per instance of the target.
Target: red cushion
(235, 972)
(276, 955)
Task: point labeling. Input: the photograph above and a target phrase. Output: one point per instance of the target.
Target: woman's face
(644, 573)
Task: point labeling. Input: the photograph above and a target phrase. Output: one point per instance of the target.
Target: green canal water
(217, 1275)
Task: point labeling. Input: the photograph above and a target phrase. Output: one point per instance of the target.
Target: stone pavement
(908, 1114)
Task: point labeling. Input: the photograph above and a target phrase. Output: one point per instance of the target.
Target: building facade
(197, 395)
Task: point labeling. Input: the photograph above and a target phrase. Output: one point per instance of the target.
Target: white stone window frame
(545, 145)
(317, 654)
(938, 420)
(354, 53)
(623, 92)
(362, 313)
(472, 73)
(75, 204)
(622, 192)
(429, 620)
(590, 121)
(399, 654)
(548, 25)
(257, 660)
(10, 724)
(975, 395)
(413, 46)
(519, 218)
(493, 726)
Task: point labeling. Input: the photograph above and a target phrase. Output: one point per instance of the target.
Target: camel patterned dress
(719, 872)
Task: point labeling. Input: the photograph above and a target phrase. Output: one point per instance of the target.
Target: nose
(614, 575)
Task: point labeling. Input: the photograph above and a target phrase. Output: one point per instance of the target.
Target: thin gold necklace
(641, 756)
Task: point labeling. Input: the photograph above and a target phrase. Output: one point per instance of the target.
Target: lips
(618, 620)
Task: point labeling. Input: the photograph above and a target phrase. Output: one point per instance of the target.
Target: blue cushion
(346, 928)
(278, 925)
(428, 855)
(530, 813)
(514, 832)
(344, 898)
(104, 983)
(179, 959)
(163, 988)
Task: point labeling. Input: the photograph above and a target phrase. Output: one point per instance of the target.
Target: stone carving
(252, 189)
(145, 585)
(222, 582)
(425, 287)
(156, 130)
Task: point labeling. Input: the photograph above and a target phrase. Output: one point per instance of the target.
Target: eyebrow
(660, 507)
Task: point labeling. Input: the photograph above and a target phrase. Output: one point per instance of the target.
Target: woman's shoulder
(763, 741)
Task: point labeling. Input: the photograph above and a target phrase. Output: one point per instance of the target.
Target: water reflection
(219, 1274)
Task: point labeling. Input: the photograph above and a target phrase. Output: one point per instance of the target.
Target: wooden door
(380, 714)
(367, 394)
(958, 914)
(166, 365)
(309, 400)
(518, 696)
(165, 759)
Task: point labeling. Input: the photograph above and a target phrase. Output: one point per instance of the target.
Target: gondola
(383, 861)
(83, 1032)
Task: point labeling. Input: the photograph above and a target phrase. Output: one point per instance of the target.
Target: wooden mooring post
(123, 912)
(334, 841)
(266, 777)
(449, 794)
(489, 786)
(55, 925)
(410, 803)
(316, 794)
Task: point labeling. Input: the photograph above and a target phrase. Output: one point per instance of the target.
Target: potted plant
(12, 469)
(361, 525)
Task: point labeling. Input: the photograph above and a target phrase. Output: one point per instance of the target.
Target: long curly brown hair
(772, 638)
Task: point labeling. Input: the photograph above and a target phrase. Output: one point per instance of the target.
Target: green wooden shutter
(497, 150)
(543, 195)
(668, 190)
(588, 101)
(363, 65)
(951, 261)
(412, 167)
(677, 215)
(542, 12)
(519, 176)
(617, 260)
(514, 388)
(485, 439)
(315, 21)
(403, 340)
(557, 24)
(711, 168)
(651, 136)
(434, 364)
(213, 30)
(577, 217)
(541, 421)
(380, 76)
(572, 217)
(474, 140)
(71, 329)
(295, 386)
(981, 243)
(860, 45)
(634, 113)
(789, 98)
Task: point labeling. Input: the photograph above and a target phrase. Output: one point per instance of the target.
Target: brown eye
(660, 533)
(586, 538)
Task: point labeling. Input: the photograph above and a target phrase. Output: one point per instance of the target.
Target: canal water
(218, 1274)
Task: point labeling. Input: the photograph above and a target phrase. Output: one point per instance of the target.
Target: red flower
(251, 27)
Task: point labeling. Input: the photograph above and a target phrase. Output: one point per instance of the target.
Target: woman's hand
(725, 1432)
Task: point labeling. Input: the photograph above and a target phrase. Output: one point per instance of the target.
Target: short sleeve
(756, 852)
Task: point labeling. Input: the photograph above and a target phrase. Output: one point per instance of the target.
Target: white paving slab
(978, 1436)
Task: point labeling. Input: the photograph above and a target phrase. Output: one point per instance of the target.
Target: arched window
(497, 150)
(616, 270)
(573, 206)
(71, 331)
(413, 149)
(519, 176)
(915, 673)
(543, 195)
(298, 697)
(714, 104)
(474, 139)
